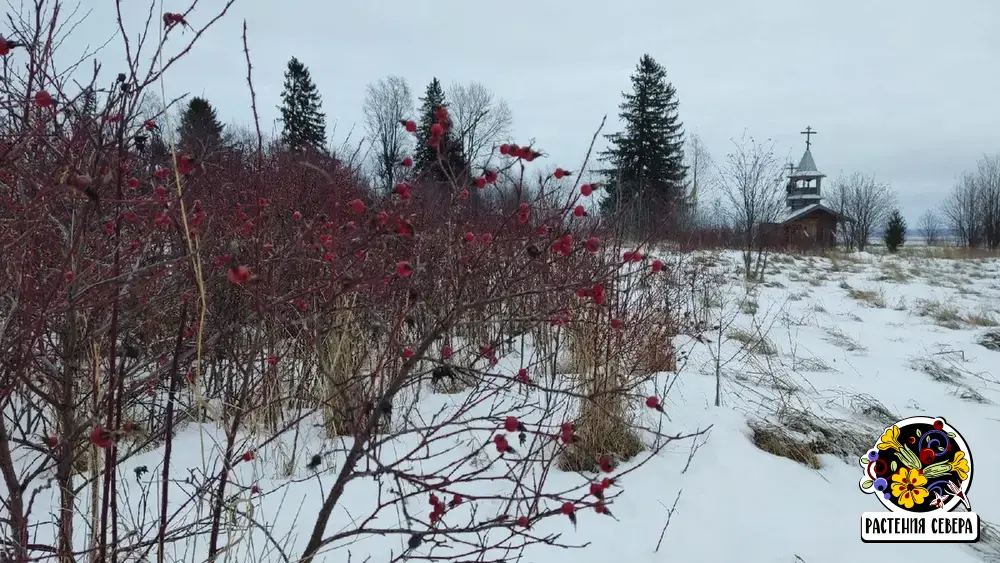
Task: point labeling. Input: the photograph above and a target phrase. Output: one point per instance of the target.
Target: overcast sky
(906, 90)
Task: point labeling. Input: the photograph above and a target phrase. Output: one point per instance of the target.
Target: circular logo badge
(920, 464)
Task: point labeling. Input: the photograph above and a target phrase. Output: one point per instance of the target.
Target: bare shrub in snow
(277, 316)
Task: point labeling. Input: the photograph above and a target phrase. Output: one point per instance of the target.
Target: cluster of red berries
(402, 189)
(563, 245)
(238, 275)
(100, 436)
(561, 318)
(567, 433)
(523, 212)
(470, 238)
(522, 376)
(4, 47)
(526, 154)
(171, 19)
(488, 177)
(597, 489)
(596, 293)
(654, 403)
(559, 174)
(44, 99)
(438, 507)
(501, 444)
(441, 125)
(512, 424)
(489, 353)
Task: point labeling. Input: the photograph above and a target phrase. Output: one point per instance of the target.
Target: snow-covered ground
(852, 343)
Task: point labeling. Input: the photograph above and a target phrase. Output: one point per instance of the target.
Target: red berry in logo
(938, 425)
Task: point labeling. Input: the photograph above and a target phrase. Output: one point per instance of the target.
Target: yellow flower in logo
(890, 440)
(908, 487)
(960, 466)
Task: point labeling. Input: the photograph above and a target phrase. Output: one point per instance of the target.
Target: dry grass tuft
(341, 358)
(938, 371)
(953, 252)
(803, 437)
(812, 364)
(657, 351)
(776, 441)
(753, 342)
(603, 429)
(942, 314)
(818, 280)
(607, 374)
(893, 272)
(983, 318)
(874, 298)
(841, 438)
(749, 307)
(967, 393)
(990, 340)
(840, 338)
(871, 408)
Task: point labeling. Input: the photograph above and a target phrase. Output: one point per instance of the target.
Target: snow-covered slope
(851, 344)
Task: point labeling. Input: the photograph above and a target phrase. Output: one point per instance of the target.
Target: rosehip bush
(230, 302)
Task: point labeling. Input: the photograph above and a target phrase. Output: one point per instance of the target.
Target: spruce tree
(645, 172)
(199, 130)
(895, 231)
(304, 124)
(426, 161)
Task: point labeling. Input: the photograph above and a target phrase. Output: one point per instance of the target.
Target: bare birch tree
(700, 169)
(963, 213)
(930, 227)
(750, 180)
(480, 119)
(387, 102)
(987, 177)
(865, 199)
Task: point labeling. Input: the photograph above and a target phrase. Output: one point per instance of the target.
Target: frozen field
(824, 354)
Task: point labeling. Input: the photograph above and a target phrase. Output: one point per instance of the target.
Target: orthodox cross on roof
(808, 133)
(791, 168)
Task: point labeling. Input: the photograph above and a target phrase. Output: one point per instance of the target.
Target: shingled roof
(791, 215)
(807, 167)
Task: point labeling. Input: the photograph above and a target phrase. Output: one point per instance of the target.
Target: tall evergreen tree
(426, 160)
(895, 231)
(301, 110)
(199, 130)
(645, 171)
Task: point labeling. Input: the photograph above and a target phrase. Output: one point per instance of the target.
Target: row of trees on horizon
(650, 169)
